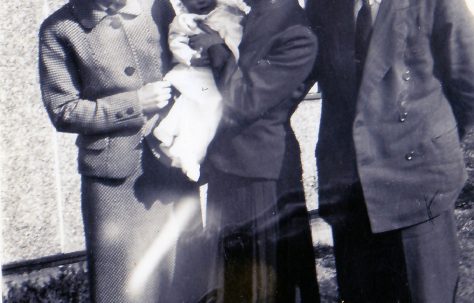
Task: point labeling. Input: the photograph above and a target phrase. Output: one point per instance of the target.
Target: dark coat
(397, 134)
(276, 55)
(257, 147)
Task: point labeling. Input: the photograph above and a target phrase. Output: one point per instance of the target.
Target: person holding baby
(189, 127)
(246, 159)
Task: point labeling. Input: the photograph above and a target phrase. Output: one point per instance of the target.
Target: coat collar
(387, 36)
(89, 14)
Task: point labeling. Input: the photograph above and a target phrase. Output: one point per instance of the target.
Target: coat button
(115, 23)
(358, 123)
(406, 75)
(130, 111)
(129, 71)
(119, 115)
(87, 23)
(410, 156)
(403, 117)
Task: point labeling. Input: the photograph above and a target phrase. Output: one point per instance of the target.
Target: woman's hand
(205, 40)
(154, 96)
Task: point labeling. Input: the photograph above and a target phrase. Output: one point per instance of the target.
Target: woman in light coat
(101, 65)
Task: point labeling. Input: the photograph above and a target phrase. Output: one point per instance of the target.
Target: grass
(64, 284)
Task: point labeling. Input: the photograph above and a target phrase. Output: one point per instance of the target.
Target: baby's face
(200, 7)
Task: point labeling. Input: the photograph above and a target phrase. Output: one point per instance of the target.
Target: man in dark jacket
(394, 75)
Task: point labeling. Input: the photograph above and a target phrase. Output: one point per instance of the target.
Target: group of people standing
(397, 81)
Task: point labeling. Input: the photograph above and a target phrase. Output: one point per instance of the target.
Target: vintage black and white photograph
(237, 151)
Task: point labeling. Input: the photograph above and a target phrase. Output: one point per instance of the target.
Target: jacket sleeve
(61, 90)
(453, 49)
(249, 93)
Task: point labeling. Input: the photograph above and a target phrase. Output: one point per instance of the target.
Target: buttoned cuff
(125, 108)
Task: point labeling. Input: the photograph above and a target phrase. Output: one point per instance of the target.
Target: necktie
(362, 37)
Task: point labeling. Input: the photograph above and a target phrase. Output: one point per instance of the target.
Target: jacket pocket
(92, 142)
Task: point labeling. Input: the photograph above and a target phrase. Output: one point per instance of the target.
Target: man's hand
(201, 61)
(203, 41)
(154, 96)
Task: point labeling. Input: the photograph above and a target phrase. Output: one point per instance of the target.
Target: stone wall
(39, 184)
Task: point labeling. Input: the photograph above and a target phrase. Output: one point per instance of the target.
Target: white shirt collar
(371, 2)
(374, 4)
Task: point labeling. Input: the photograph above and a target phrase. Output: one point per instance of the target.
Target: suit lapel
(387, 41)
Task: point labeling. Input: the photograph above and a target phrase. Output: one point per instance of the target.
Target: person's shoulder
(162, 11)
(297, 37)
(297, 31)
(56, 21)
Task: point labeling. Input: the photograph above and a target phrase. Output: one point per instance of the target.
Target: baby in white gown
(186, 132)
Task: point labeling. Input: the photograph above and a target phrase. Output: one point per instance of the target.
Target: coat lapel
(89, 16)
(387, 41)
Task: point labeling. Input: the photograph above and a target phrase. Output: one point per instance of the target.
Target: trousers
(418, 263)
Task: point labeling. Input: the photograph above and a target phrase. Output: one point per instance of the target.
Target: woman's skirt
(131, 228)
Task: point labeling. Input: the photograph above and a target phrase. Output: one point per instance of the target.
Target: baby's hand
(199, 18)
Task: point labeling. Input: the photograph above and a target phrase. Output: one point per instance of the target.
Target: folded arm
(61, 89)
(251, 92)
(179, 43)
(69, 111)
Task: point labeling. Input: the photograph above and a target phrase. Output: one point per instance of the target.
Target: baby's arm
(178, 39)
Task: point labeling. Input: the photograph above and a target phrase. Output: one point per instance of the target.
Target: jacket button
(130, 111)
(119, 115)
(115, 23)
(129, 71)
(403, 117)
(406, 75)
(87, 23)
(410, 156)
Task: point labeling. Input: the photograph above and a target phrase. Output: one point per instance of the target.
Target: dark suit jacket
(91, 66)
(276, 55)
(397, 134)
